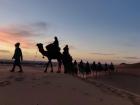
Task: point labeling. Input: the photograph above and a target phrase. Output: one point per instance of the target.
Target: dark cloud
(4, 51)
(40, 25)
(131, 57)
(105, 54)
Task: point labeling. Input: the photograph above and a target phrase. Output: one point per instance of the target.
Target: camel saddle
(52, 48)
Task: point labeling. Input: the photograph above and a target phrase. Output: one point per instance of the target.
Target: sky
(100, 30)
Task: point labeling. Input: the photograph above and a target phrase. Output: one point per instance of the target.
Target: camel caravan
(82, 69)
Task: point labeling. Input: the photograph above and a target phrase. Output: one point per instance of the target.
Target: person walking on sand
(17, 58)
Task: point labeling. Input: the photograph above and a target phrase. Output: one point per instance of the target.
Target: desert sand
(33, 87)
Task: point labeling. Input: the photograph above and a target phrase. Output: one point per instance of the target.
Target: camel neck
(41, 49)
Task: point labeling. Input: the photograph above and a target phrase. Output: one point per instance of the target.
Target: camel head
(41, 49)
(39, 45)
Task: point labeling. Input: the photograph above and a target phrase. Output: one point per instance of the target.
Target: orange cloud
(25, 34)
(10, 40)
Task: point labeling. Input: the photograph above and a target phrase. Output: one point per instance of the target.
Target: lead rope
(36, 54)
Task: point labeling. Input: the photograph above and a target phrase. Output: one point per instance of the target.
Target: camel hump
(52, 48)
(49, 47)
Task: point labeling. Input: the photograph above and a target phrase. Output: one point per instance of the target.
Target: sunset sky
(100, 30)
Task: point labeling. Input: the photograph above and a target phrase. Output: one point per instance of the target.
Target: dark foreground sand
(33, 87)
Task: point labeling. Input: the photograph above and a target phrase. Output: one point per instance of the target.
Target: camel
(50, 56)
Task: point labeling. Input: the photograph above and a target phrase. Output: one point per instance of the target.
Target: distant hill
(135, 65)
(123, 64)
(26, 62)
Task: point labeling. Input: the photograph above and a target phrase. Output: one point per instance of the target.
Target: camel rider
(56, 44)
(54, 47)
(66, 52)
(66, 49)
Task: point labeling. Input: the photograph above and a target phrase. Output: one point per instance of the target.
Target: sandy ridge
(134, 98)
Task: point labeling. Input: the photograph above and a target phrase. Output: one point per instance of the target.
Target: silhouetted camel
(105, 67)
(99, 68)
(75, 68)
(81, 67)
(111, 68)
(87, 69)
(50, 56)
(94, 68)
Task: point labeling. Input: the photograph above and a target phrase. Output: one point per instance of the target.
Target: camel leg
(51, 67)
(47, 66)
(59, 66)
(96, 74)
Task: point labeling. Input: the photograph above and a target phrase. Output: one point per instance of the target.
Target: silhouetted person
(66, 49)
(75, 67)
(17, 58)
(54, 47)
(93, 66)
(99, 67)
(56, 42)
(81, 64)
(81, 68)
(111, 67)
(106, 67)
(87, 68)
(67, 60)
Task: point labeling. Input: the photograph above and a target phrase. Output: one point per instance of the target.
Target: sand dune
(132, 69)
(33, 87)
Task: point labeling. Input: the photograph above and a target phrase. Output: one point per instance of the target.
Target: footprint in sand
(34, 79)
(35, 85)
(74, 89)
(134, 100)
(101, 99)
(19, 79)
(4, 83)
(47, 82)
(10, 77)
(86, 94)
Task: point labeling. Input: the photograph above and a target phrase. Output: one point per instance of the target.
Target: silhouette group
(52, 51)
